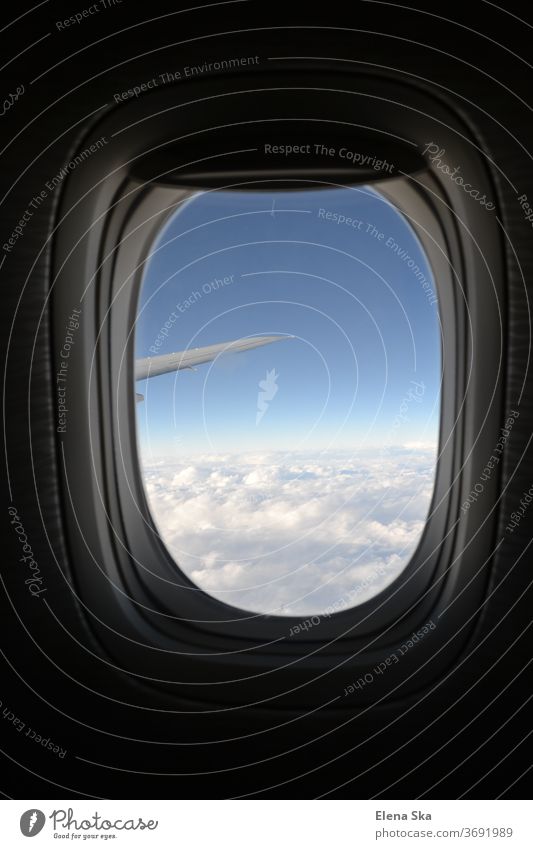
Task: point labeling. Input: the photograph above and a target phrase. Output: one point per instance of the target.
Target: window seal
(98, 206)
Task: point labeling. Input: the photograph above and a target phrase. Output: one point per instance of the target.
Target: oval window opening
(288, 372)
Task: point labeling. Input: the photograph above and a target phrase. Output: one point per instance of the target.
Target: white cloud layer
(292, 534)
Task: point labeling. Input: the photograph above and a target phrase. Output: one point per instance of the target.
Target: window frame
(112, 213)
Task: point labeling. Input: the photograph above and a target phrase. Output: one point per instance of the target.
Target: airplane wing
(154, 366)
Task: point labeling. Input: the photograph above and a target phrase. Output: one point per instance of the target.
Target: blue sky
(364, 366)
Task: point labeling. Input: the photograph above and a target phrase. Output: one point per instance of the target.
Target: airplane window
(288, 370)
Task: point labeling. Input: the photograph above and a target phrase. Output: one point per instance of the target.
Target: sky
(254, 462)
(292, 535)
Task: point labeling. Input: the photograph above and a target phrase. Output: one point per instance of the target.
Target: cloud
(290, 533)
